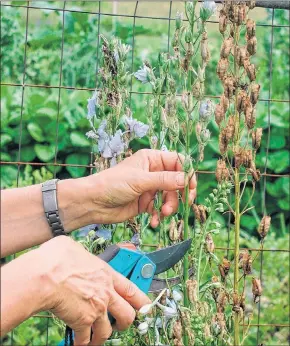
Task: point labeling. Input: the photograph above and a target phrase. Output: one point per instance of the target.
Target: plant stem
(237, 197)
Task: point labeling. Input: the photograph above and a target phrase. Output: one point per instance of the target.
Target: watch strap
(49, 197)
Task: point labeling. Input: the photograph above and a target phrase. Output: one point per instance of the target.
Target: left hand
(122, 192)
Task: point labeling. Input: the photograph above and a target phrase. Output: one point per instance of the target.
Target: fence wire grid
(63, 7)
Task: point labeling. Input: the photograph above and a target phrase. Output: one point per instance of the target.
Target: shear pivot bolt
(147, 271)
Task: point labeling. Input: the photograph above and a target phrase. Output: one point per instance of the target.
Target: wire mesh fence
(99, 10)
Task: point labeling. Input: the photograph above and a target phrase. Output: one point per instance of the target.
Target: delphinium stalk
(236, 116)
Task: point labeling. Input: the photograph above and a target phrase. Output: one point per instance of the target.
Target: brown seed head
(191, 287)
(209, 243)
(222, 22)
(257, 137)
(173, 232)
(205, 54)
(229, 86)
(227, 47)
(256, 174)
(224, 102)
(256, 289)
(222, 68)
(206, 332)
(223, 141)
(241, 55)
(255, 92)
(242, 10)
(264, 226)
(245, 262)
(177, 330)
(252, 45)
(247, 158)
(242, 96)
(219, 114)
(251, 28)
(222, 173)
(221, 301)
(250, 116)
(224, 268)
(197, 89)
(177, 342)
(230, 128)
(200, 212)
(250, 69)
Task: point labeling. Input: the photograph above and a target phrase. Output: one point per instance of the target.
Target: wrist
(73, 202)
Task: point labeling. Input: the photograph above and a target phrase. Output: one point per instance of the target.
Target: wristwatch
(49, 197)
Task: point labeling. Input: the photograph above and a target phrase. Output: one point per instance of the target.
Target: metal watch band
(49, 197)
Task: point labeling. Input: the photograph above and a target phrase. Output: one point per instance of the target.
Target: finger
(122, 311)
(192, 181)
(102, 330)
(154, 222)
(170, 204)
(150, 208)
(191, 197)
(163, 161)
(83, 336)
(145, 200)
(129, 291)
(164, 180)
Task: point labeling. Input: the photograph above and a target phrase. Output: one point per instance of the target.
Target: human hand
(122, 192)
(83, 288)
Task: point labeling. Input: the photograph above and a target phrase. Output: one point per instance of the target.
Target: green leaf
(45, 153)
(8, 175)
(35, 132)
(277, 142)
(5, 157)
(77, 159)
(46, 112)
(79, 140)
(28, 153)
(5, 138)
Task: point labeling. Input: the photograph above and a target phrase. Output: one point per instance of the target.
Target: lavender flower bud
(205, 136)
(206, 110)
(208, 8)
(178, 20)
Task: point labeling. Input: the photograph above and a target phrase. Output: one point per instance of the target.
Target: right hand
(85, 288)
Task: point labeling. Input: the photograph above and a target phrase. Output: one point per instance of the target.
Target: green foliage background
(50, 123)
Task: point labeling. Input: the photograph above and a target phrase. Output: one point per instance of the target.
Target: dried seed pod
(205, 54)
(227, 47)
(197, 91)
(257, 137)
(256, 174)
(264, 226)
(245, 262)
(241, 55)
(191, 337)
(177, 342)
(173, 232)
(222, 68)
(222, 173)
(242, 96)
(191, 287)
(236, 302)
(238, 156)
(242, 10)
(219, 114)
(200, 212)
(224, 268)
(255, 92)
(256, 289)
(247, 158)
(202, 308)
(223, 141)
(250, 116)
(180, 229)
(252, 45)
(251, 4)
(234, 14)
(215, 291)
(229, 86)
(177, 330)
(230, 128)
(222, 22)
(218, 324)
(250, 69)
(206, 332)
(209, 244)
(224, 102)
(221, 301)
(251, 28)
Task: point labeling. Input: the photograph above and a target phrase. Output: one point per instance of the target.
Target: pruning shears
(141, 268)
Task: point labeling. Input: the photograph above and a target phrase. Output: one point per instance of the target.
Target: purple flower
(103, 138)
(83, 231)
(104, 233)
(142, 74)
(115, 146)
(137, 127)
(92, 103)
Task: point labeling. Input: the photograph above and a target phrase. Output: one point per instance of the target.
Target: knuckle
(130, 290)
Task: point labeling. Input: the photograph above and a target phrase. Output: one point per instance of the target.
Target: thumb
(164, 180)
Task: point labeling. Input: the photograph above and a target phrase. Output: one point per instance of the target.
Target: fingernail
(180, 179)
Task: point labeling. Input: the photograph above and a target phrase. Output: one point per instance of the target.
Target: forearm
(24, 290)
(23, 222)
